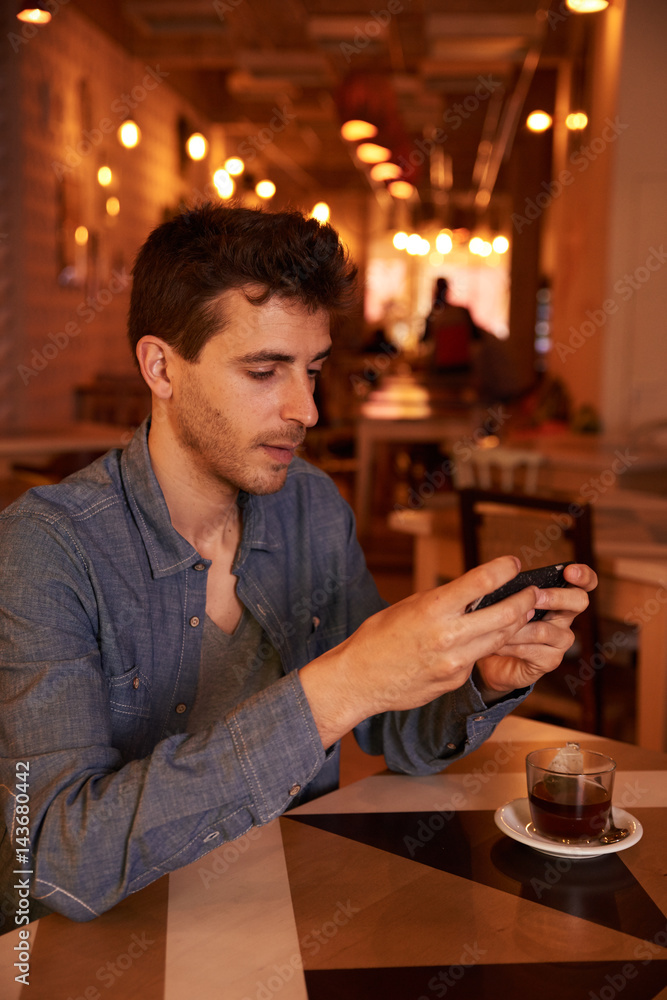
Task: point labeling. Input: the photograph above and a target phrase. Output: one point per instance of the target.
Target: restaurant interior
(518, 150)
(515, 148)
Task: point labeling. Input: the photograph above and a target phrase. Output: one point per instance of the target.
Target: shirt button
(295, 789)
(135, 683)
(451, 746)
(181, 707)
(199, 566)
(194, 621)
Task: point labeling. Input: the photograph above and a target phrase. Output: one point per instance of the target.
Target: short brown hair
(188, 262)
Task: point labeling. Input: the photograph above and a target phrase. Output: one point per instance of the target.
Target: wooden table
(393, 888)
(631, 550)
(405, 410)
(42, 445)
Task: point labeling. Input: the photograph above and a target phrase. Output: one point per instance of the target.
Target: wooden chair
(505, 468)
(541, 531)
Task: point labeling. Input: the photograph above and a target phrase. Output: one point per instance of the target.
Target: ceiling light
(104, 176)
(224, 185)
(37, 13)
(265, 189)
(196, 146)
(501, 244)
(356, 129)
(129, 134)
(400, 240)
(320, 212)
(576, 120)
(413, 245)
(234, 166)
(113, 206)
(586, 6)
(370, 152)
(539, 121)
(386, 171)
(444, 241)
(400, 189)
(81, 236)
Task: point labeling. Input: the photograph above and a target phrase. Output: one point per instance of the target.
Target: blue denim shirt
(102, 606)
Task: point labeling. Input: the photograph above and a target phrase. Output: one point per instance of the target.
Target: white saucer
(514, 820)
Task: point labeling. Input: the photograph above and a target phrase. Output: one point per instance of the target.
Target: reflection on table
(394, 887)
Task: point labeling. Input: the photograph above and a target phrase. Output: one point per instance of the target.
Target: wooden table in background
(393, 888)
(42, 445)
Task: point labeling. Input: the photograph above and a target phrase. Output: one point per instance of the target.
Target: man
(188, 628)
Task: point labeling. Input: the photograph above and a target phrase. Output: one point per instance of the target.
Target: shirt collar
(168, 552)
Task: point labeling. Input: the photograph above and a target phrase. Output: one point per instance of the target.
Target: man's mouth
(282, 452)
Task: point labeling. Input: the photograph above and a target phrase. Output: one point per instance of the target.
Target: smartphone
(542, 577)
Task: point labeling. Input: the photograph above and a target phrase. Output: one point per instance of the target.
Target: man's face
(243, 408)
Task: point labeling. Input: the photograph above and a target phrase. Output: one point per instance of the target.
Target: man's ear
(155, 358)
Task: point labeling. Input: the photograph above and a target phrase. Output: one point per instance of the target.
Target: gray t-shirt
(232, 668)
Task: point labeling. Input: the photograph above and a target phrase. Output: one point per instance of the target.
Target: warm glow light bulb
(129, 134)
(400, 189)
(501, 244)
(414, 243)
(81, 236)
(370, 152)
(444, 242)
(223, 183)
(34, 15)
(485, 248)
(265, 189)
(586, 6)
(386, 171)
(320, 212)
(356, 129)
(113, 206)
(538, 121)
(104, 176)
(475, 245)
(576, 120)
(234, 166)
(197, 146)
(400, 240)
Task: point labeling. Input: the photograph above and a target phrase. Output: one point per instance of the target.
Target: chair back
(501, 468)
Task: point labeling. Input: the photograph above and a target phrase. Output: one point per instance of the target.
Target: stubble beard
(217, 455)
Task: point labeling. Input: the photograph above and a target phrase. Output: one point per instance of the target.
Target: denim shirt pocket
(130, 706)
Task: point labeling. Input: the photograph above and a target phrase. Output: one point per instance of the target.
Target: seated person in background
(449, 328)
(188, 627)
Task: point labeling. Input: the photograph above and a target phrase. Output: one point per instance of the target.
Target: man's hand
(424, 646)
(539, 647)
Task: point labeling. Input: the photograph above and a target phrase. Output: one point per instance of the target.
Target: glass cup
(570, 807)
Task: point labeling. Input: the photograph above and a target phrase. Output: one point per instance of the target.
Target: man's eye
(314, 373)
(260, 376)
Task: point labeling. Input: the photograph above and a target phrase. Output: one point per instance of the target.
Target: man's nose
(299, 404)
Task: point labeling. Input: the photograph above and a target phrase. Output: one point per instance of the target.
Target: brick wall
(70, 87)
